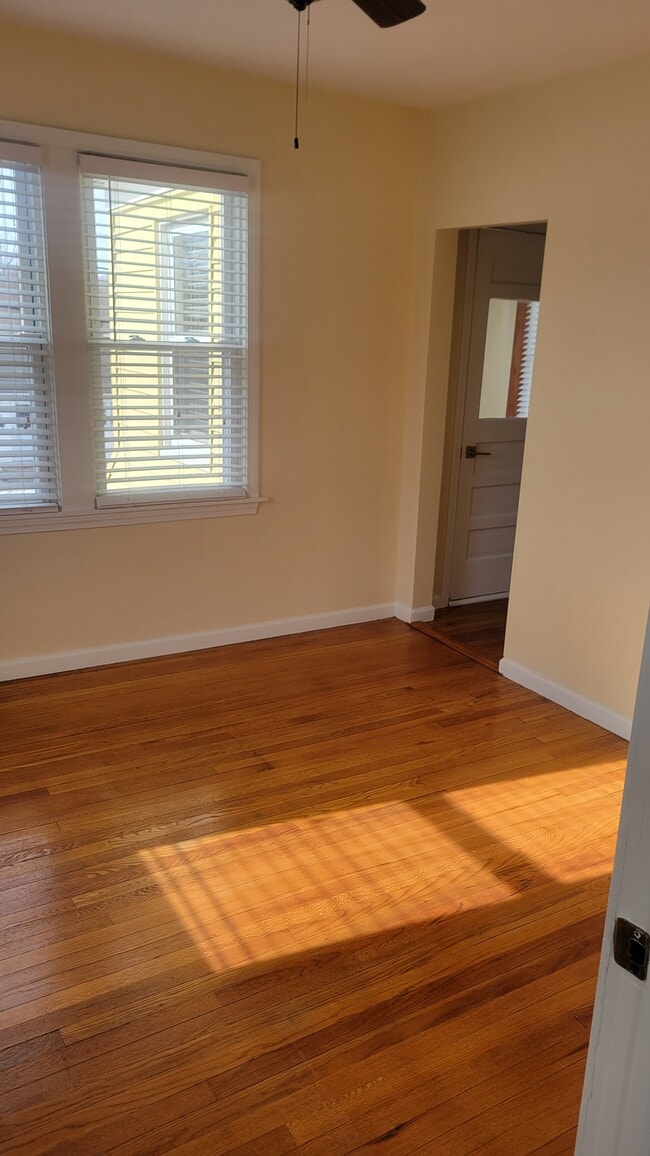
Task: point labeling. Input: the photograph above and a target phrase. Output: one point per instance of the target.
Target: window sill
(31, 521)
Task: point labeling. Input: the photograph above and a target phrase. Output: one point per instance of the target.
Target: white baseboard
(618, 724)
(178, 643)
(477, 599)
(417, 614)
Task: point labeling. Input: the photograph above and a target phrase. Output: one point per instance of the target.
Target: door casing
(464, 308)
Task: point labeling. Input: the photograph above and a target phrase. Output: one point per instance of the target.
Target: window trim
(62, 154)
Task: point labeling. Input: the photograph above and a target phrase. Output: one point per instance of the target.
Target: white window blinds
(529, 343)
(28, 465)
(166, 291)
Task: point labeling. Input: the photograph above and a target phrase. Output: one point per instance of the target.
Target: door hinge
(631, 947)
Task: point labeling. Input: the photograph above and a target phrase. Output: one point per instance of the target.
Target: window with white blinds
(165, 252)
(28, 460)
(128, 331)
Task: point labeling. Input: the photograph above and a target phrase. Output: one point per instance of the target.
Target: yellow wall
(338, 262)
(573, 152)
(358, 257)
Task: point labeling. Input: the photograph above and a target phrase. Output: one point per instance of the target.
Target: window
(508, 358)
(150, 291)
(166, 293)
(28, 470)
(523, 358)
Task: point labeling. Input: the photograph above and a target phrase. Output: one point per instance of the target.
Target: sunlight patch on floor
(295, 886)
(544, 821)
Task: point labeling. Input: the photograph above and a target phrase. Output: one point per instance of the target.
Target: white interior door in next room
(500, 352)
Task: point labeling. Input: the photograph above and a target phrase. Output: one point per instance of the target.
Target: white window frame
(60, 153)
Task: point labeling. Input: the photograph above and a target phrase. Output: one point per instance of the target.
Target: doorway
(497, 323)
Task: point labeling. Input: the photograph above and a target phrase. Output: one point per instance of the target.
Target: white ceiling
(458, 49)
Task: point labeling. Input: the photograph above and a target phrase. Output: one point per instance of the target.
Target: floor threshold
(454, 644)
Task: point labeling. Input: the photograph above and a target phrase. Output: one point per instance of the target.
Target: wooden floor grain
(477, 631)
(341, 892)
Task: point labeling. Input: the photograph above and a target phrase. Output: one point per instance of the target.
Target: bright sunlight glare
(544, 822)
(266, 892)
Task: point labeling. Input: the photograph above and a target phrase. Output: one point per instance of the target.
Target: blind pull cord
(307, 54)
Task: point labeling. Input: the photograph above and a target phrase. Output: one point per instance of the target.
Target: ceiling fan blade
(388, 13)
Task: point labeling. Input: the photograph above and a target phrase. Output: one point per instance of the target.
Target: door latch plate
(631, 947)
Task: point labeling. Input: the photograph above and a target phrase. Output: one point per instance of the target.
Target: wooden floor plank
(321, 893)
(477, 630)
(423, 1117)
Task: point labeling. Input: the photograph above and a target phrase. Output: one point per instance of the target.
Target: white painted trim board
(415, 614)
(32, 667)
(178, 643)
(585, 707)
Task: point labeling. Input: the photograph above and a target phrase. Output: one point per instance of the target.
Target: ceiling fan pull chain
(296, 141)
(307, 54)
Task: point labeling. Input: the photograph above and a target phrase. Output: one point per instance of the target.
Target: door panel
(508, 271)
(495, 502)
(490, 543)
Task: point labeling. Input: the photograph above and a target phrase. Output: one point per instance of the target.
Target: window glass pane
(188, 244)
(28, 465)
(167, 307)
(508, 358)
(28, 454)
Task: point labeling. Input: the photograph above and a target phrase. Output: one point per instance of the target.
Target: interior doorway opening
(499, 275)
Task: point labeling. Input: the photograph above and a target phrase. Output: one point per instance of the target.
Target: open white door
(615, 1112)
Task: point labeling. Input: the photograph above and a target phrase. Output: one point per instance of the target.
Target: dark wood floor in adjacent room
(477, 630)
(332, 893)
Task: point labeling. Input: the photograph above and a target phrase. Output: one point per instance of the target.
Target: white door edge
(615, 1110)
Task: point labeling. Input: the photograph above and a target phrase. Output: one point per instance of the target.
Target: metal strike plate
(631, 947)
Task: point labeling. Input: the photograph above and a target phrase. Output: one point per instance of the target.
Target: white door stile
(615, 1112)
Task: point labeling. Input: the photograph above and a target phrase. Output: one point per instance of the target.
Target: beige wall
(358, 254)
(338, 282)
(574, 152)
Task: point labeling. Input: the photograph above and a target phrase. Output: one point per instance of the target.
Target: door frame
(465, 272)
(456, 398)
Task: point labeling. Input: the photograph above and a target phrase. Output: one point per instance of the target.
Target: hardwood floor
(478, 630)
(339, 892)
